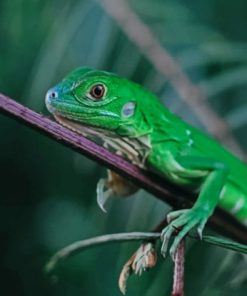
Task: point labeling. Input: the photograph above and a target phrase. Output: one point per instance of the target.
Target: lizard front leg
(209, 192)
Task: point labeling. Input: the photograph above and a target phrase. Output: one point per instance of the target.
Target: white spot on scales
(222, 193)
(238, 206)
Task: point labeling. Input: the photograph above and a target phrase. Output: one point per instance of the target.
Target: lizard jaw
(82, 129)
(134, 150)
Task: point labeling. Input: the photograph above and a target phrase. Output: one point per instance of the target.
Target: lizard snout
(50, 95)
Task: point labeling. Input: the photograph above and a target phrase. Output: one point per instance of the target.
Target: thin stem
(95, 241)
(133, 236)
(178, 275)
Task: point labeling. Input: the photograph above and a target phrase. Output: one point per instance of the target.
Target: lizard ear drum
(128, 109)
(97, 91)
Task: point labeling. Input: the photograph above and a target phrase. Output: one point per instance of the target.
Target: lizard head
(99, 100)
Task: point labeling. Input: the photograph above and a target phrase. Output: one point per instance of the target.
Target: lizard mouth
(135, 150)
(83, 129)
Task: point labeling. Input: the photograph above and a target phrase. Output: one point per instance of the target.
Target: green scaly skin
(127, 116)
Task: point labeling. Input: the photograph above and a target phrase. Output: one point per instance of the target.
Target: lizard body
(131, 121)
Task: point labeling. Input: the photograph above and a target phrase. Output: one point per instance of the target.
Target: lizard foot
(180, 223)
(143, 259)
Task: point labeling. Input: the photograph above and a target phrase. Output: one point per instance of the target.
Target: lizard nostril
(50, 99)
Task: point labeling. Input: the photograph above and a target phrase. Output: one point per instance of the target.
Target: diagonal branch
(174, 195)
(140, 34)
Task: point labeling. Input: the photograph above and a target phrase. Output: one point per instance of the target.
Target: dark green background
(48, 191)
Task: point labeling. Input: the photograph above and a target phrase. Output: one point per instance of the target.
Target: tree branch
(161, 188)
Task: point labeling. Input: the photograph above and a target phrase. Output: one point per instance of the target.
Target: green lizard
(130, 120)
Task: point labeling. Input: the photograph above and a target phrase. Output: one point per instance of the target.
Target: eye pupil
(97, 91)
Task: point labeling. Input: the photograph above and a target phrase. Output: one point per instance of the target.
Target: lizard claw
(113, 186)
(201, 227)
(182, 222)
(165, 237)
(103, 195)
(174, 215)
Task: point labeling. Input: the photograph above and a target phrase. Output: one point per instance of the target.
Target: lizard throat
(135, 150)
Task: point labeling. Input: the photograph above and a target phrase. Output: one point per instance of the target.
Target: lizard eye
(97, 91)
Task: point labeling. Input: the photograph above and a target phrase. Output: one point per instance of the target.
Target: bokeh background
(47, 191)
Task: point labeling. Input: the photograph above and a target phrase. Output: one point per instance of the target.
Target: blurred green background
(48, 191)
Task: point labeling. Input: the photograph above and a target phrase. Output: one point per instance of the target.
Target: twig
(222, 242)
(78, 246)
(95, 241)
(140, 34)
(178, 274)
(161, 188)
